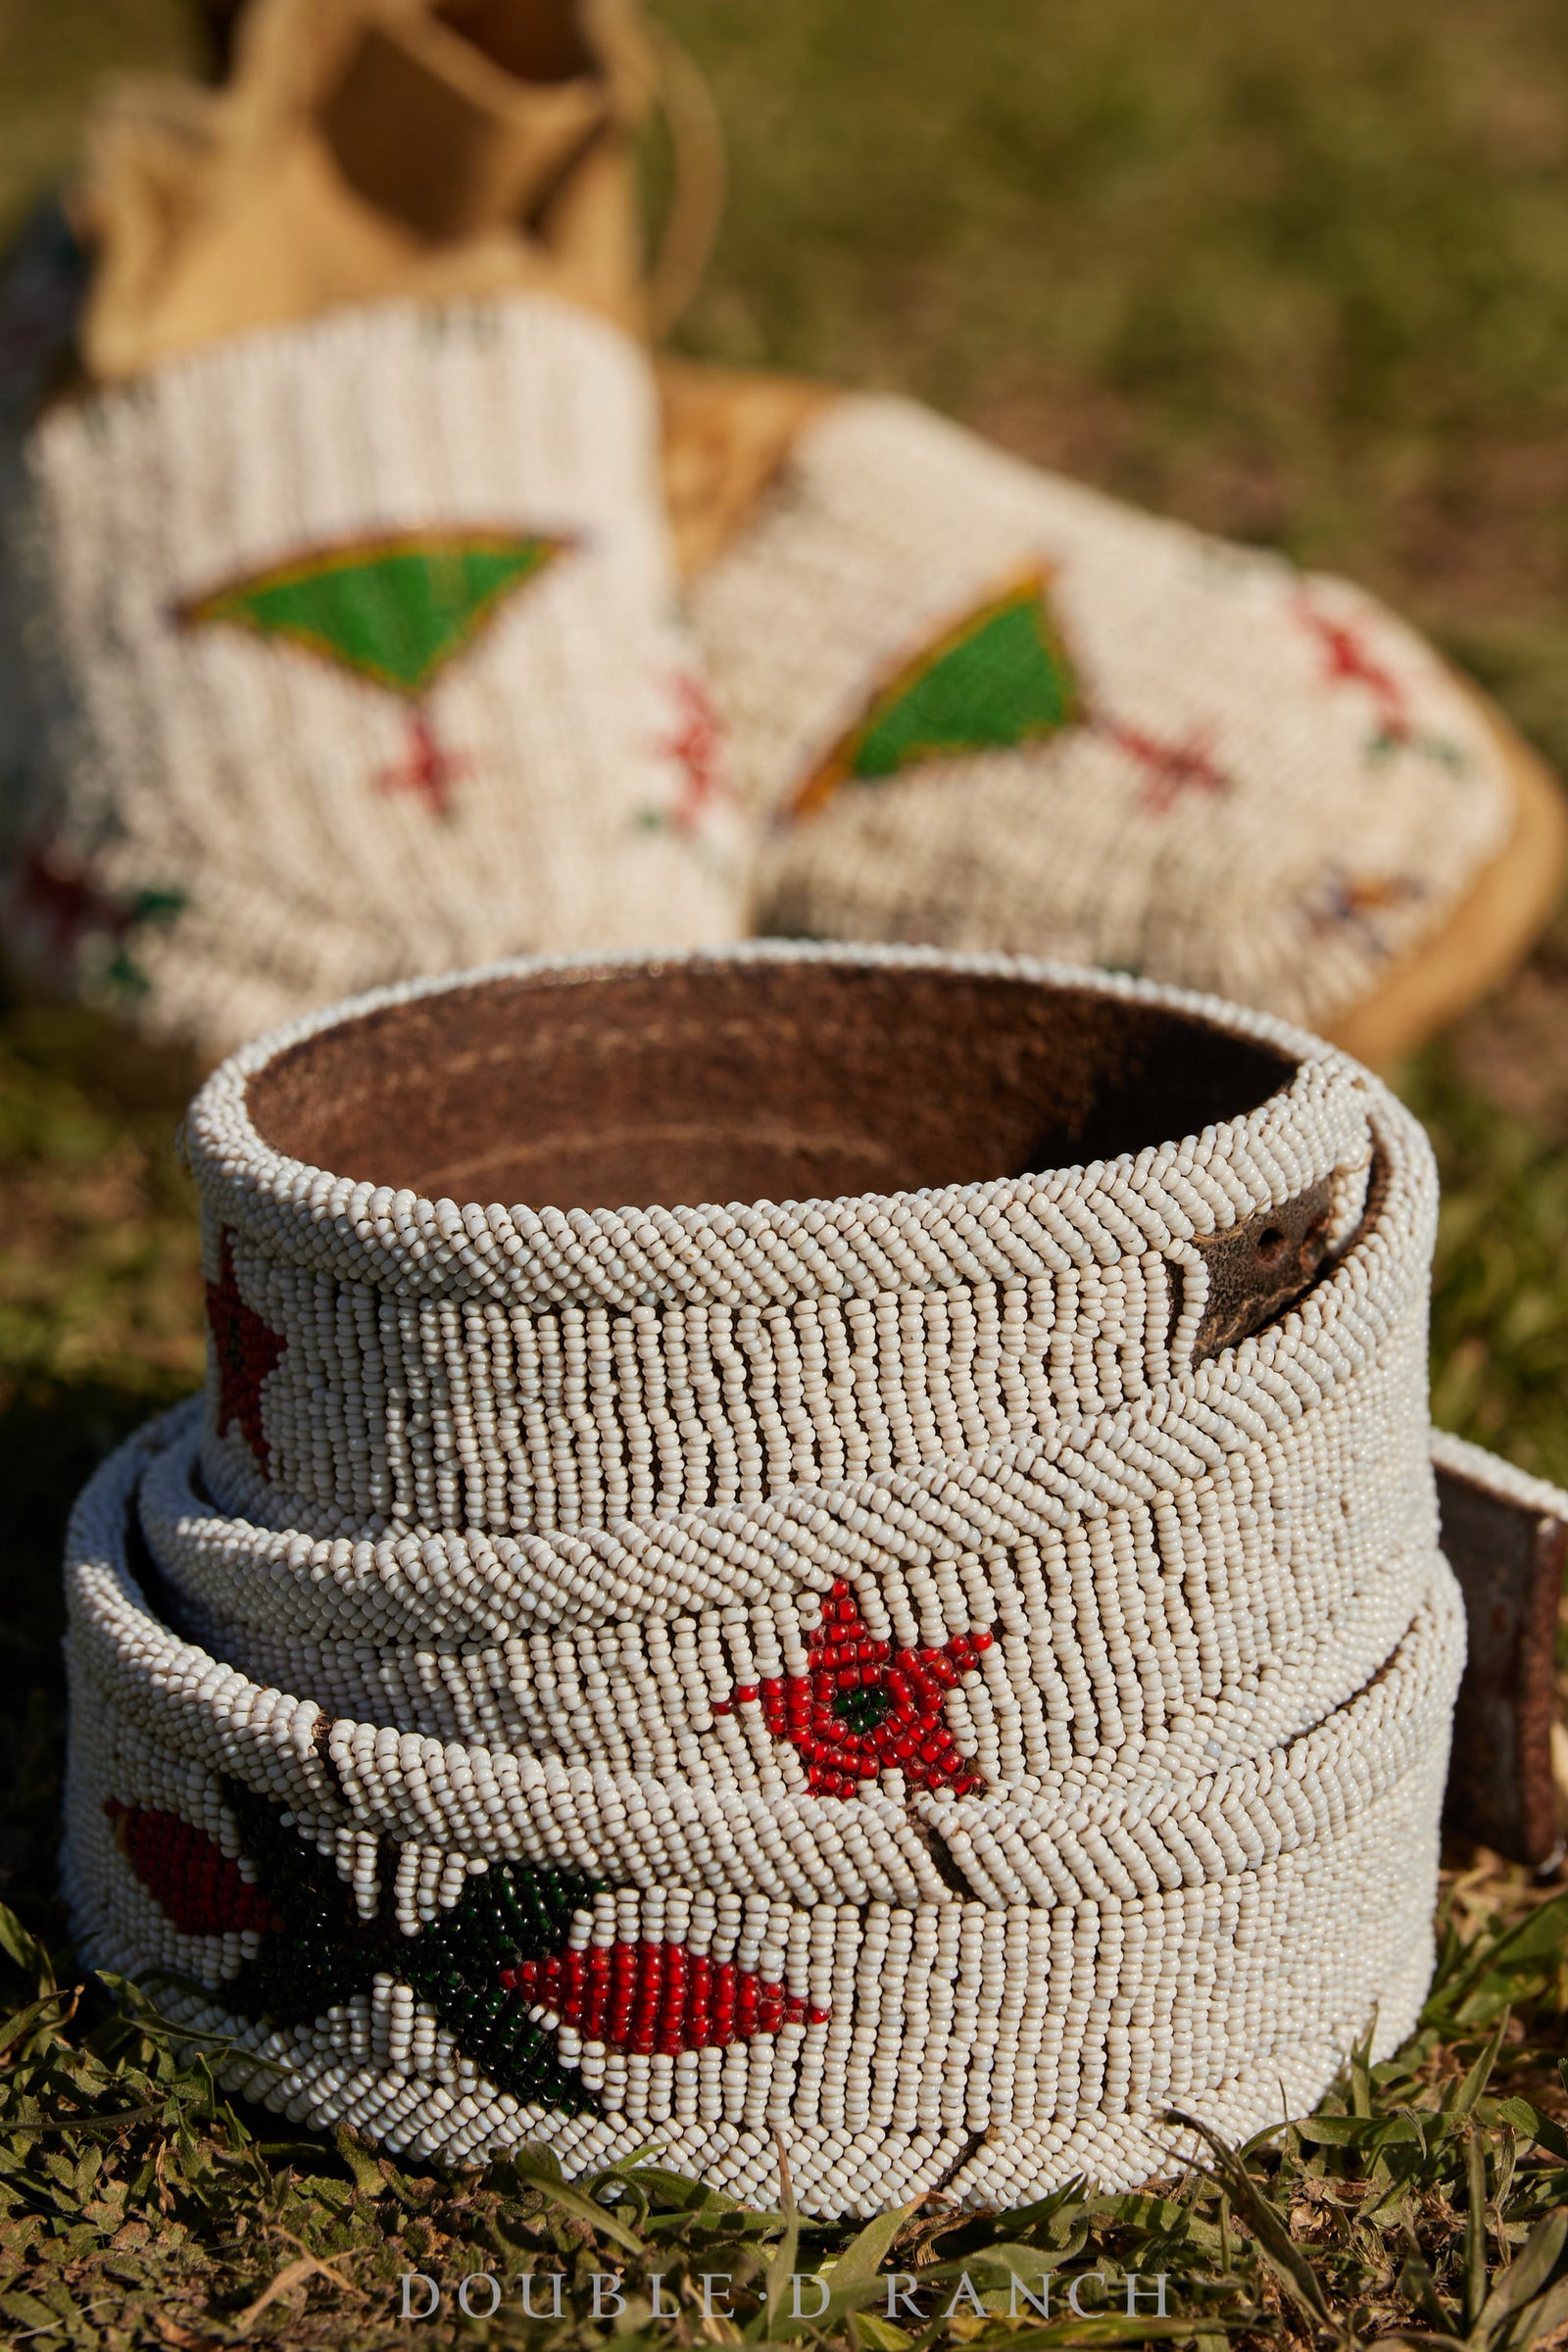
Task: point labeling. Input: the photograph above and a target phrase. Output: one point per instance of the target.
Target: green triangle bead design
(394, 610)
(998, 677)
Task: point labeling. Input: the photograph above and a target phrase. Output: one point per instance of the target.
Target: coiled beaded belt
(939, 1670)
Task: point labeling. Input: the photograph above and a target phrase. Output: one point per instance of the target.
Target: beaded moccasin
(344, 597)
(438, 713)
(976, 704)
(352, 654)
(933, 1664)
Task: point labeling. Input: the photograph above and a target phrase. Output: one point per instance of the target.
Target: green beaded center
(861, 1710)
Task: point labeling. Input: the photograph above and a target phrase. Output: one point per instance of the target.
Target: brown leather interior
(1509, 1560)
(536, 44)
(614, 1088)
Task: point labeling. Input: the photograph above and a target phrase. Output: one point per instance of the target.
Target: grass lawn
(1299, 275)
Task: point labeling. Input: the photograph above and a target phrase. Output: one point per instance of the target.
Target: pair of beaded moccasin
(380, 606)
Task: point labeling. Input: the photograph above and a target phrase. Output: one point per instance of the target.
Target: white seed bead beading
(1059, 2029)
(894, 1602)
(735, 1819)
(261, 818)
(1506, 1480)
(466, 1366)
(1114, 1660)
(1267, 785)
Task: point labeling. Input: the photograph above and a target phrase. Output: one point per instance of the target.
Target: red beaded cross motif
(862, 1708)
(697, 745)
(1350, 661)
(1169, 769)
(649, 1997)
(61, 899)
(246, 1350)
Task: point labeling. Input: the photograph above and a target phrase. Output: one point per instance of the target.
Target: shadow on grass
(53, 1434)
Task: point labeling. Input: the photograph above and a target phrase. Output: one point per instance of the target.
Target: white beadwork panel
(353, 648)
(1230, 774)
(857, 1668)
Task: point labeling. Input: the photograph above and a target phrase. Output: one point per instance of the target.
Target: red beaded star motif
(862, 1708)
(245, 1349)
